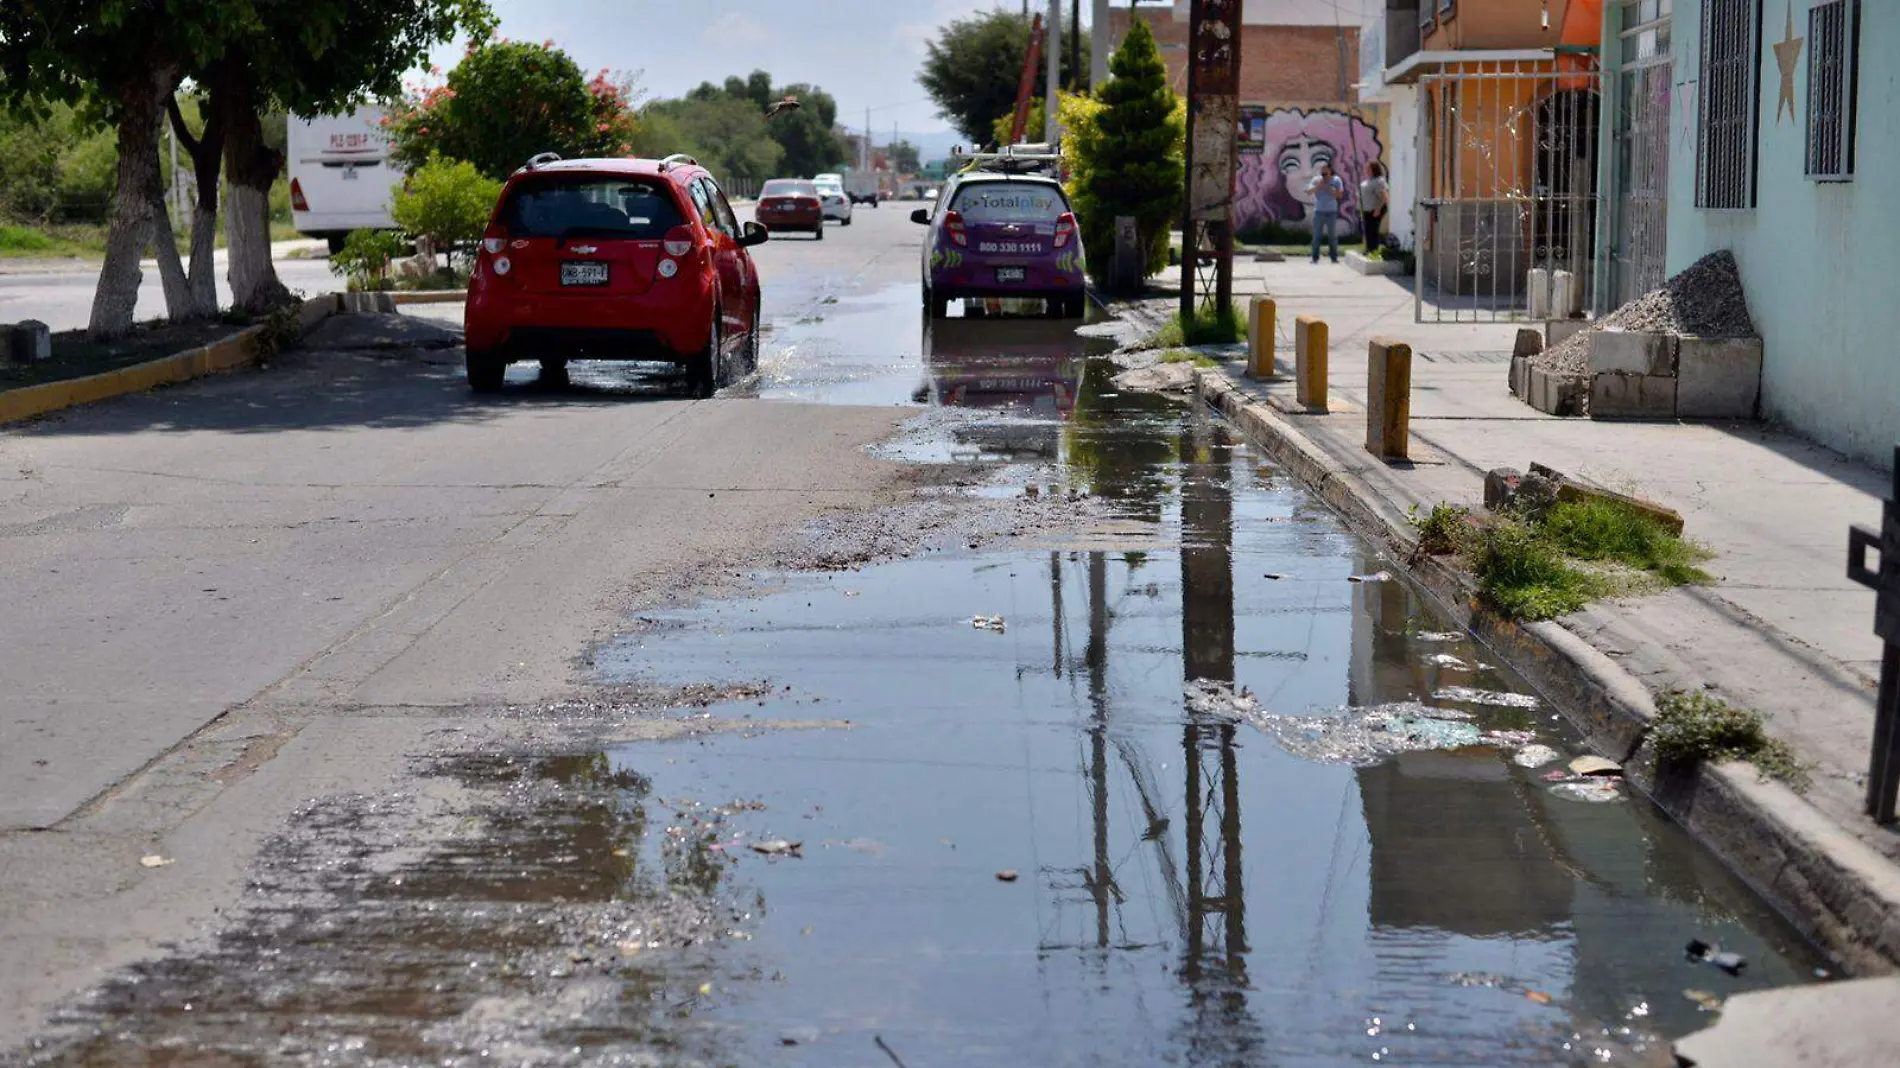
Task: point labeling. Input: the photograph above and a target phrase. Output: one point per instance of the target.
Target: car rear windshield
(594, 205)
(781, 187)
(1009, 202)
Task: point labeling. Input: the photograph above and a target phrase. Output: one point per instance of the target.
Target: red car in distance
(791, 204)
(614, 259)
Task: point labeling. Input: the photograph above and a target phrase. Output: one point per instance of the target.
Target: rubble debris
(1708, 1001)
(155, 861)
(1534, 756)
(1363, 737)
(1703, 953)
(1705, 300)
(1446, 660)
(1439, 636)
(1595, 766)
(1470, 696)
(778, 847)
(1591, 791)
(1209, 697)
(1376, 576)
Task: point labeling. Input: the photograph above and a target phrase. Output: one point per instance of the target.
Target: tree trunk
(140, 102)
(250, 168)
(207, 164)
(171, 269)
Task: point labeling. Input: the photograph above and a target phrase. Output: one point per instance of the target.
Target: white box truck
(341, 177)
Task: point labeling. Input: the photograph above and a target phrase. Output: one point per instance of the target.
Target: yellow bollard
(1261, 323)
(1389, 399)
(1310, 346)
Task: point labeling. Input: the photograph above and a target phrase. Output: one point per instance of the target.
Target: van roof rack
(1028, 158)
(541, 158)
(678, 159)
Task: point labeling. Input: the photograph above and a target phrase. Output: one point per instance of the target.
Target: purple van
(1002, 235)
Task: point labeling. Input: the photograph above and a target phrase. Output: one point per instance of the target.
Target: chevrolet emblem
(585, 249)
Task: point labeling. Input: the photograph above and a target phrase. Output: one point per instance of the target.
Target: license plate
(583, 274)
(1011, 274)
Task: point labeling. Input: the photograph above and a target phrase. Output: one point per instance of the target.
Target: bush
(1523, 575)
(1271, 232)
(446, 203)
(1441, 530)
(364, 261)
(1694, 727)
(1127, 154)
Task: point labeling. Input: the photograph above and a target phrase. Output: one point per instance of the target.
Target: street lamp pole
(1054, 38)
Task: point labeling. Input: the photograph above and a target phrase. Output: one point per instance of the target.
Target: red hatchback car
(614, 259)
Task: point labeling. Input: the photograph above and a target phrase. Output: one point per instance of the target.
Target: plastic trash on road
(1472, 696)
(1534, 756)
(1362, 737)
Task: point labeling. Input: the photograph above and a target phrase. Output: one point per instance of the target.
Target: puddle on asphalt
(1151, 738)
(1199, 879)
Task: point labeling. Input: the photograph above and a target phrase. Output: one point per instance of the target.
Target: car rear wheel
(553, 369)
(819, 233)
(706, 371)
(486, 372)
(846, 221)
(939, 306)
(750, 363)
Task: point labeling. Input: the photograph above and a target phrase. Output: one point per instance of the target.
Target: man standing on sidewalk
(1327, 189)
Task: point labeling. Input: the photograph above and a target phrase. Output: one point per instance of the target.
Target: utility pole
(1098, 44)
(1055, 72)
(1213, 114)
(864, 164)
(1075, 46)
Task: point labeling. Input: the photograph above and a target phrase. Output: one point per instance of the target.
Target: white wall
(1401, 158)
(1818, 259)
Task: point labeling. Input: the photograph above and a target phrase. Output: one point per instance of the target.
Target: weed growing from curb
(1442, 530)
(1210, 326)
(1605, 530)
(1692, 728)
(1523, 575)
(1198, 359)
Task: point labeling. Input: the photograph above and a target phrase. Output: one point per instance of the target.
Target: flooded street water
(1201, 783)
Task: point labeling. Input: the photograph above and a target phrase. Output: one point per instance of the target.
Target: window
(1833, 47)
(1446, 9)
(1730, 105)
(596, 206)
(728, 221)
(1009, 201)
(706, 199)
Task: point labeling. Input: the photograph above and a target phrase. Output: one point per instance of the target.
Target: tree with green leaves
(1127, 148)
(903, 157)
(728, 134)
(808, 137)
(975, 66)
(508, 101)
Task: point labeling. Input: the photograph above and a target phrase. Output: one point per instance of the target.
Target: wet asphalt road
(463, 789)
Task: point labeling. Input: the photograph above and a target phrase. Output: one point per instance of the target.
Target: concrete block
(1552, 394)
(1718, 378)
(1558, 331)
(1566, 294)
(1537, 290)
(1520, 377)
(1632, 396)
(29, 341)
(1629, 352)
(1500, 485)
(1529, 342)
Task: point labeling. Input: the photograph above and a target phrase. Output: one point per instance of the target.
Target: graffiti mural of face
(1300, 161)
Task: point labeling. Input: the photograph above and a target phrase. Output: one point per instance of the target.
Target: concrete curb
(1837, 890)
(231, 353)
(432, 296)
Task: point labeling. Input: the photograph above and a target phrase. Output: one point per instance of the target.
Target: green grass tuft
(1210, 326)
(1442, 530)
(22, 239)
(1608, 531)
(1524, 575)
(1198, 359)
(1692, 728)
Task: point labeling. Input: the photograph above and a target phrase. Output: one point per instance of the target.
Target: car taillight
(297, 202)
(953, 225)
(494, 245)
(1065, 229)
(679, 241)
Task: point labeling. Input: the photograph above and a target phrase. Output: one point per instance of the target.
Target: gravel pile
(1706, 300)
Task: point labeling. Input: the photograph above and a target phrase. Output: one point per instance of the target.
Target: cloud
(736, 30)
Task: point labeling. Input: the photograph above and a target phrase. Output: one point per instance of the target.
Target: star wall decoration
(1787, 57)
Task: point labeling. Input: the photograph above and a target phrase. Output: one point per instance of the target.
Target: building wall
(1277, 62)
(1814, 255)
(1494, 24)
(1270, 186)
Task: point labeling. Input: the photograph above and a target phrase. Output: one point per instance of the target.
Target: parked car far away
(1002, 229)
(791, 204)
(614, 259)
(341, 176)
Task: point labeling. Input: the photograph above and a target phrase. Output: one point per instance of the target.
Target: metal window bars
(1730, 105)
(1833, 32)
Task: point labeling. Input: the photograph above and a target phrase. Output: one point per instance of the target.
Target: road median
(235, 351)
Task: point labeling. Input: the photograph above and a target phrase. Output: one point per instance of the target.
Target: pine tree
(1133, 160)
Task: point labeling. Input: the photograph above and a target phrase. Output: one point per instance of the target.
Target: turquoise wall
(1820, 260)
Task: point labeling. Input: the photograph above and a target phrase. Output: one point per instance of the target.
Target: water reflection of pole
(1214, 965)
(1101, 882)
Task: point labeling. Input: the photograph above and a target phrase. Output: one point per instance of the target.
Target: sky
(866, 53)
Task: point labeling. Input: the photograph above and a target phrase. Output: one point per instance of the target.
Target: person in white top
(1374, 201)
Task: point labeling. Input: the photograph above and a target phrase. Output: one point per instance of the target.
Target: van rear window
(594, 206)
(1009, 202)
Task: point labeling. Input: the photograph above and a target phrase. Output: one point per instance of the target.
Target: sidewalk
(1782, 631)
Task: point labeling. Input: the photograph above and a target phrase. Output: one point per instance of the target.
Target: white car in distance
(832, 199)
